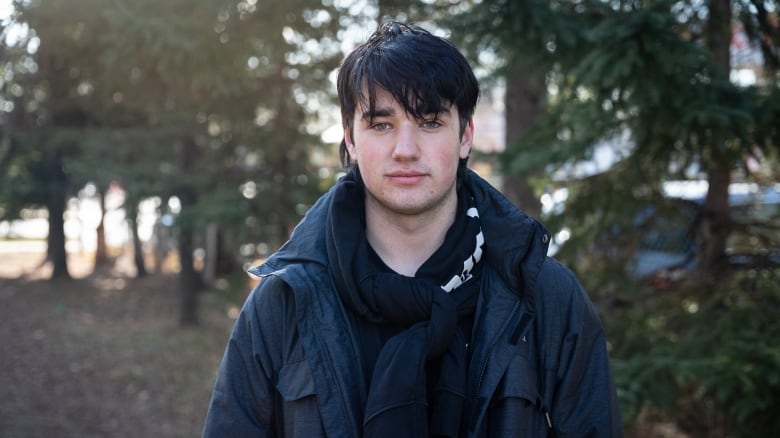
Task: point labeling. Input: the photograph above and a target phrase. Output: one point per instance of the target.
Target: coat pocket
(299, 413)
(513, 411)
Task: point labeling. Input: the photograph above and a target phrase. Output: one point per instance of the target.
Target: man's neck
(405, 242)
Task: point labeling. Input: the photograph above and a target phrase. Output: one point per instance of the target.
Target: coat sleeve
(577, 386)
(244, 396)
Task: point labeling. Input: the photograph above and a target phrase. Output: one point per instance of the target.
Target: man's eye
(381, 126)
(431, 124)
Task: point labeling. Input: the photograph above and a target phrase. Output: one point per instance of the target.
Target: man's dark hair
(424, 73)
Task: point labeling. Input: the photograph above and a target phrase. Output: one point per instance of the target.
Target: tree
(214, 106)
(46, 113)
(651, 81)
(505, 41)
(241, 115)
(606, 65)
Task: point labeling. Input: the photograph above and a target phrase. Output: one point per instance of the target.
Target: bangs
(422, 82)
(417, 98)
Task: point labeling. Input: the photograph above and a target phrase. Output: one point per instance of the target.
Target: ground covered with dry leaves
(103, 356)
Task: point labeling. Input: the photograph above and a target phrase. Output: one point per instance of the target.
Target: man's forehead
(385, 104)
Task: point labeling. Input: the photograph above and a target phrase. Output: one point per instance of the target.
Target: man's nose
(406, 147)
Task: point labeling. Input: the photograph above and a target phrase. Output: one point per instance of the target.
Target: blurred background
(150, 151)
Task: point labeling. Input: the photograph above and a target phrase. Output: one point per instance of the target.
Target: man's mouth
(406, 177)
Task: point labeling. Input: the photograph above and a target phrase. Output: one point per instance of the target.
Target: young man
(413, 299)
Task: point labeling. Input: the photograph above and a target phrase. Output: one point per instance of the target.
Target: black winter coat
(539, 365)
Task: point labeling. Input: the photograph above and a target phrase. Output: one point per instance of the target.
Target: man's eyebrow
(377, 112)
(389, 112)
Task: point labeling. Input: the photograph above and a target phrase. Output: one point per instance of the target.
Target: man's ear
(350, 145)
(467, 140)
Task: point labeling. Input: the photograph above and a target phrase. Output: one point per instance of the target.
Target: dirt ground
(102, 355)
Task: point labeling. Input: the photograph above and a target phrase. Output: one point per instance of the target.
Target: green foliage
(711, 349)
(646, 80)
(187, 99)
(638, 74)
(541, 31)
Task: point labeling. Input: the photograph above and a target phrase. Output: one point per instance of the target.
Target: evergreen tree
(651, 80)
(192, 101)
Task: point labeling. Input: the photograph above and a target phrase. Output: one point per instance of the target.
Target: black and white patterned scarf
(428, 306)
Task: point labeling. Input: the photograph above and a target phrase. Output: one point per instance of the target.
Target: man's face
(409, 166)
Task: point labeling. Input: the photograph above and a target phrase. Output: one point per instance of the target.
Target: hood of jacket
(515, 243)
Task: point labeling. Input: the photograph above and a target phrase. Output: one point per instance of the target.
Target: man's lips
(406, 177)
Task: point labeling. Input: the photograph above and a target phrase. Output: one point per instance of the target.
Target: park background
(150, 151)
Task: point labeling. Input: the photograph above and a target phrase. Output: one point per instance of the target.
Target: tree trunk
(57, 193)
(162, 241)
(714, 224)
(101, 254)
(138, 250)
(285, 205)
(525, 91)
(227, 260)
(189, 282)
(715, 221)
(212, 254)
